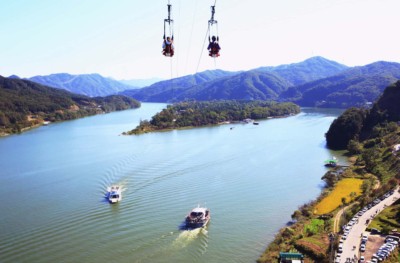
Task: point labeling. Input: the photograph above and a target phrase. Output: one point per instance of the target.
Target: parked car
(362, 247)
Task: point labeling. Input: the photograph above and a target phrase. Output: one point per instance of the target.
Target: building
(289, 257)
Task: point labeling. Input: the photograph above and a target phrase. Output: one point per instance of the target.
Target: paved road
(354, 236)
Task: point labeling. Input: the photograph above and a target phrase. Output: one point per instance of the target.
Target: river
(252, 177)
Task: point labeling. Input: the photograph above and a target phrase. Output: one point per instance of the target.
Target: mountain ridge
(264, 86)
(355, 86)
(92, 85)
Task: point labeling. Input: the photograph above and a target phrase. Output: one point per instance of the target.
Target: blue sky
(122, 38)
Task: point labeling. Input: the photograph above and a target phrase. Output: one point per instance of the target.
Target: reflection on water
(251, 177)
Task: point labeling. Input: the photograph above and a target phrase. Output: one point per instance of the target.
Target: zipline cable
(190, 38)
(201, 54)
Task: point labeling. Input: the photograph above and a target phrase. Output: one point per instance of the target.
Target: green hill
(357, 124)
(358, 86)
(24, 103)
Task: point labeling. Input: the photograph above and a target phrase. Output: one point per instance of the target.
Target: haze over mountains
(91, 85)
(314, 82)
(140, 83)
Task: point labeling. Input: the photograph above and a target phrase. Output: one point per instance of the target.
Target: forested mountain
(309, 70)
(91, 85)
(250, 85)
(24, 103)
(168, 90)
(357, 124)
(260, 83)
(353, 87)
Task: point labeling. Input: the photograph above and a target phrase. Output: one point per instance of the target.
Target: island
(202, 113)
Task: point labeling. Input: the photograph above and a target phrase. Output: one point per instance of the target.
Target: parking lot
(373, 244)
(351, 245)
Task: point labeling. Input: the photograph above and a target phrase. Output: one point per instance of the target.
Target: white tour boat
(198, 217)
(114, 194)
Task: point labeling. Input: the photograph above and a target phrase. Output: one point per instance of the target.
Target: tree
(330, 178)
(354, 147)
(296, 215)
(4, 120)
(343, 201)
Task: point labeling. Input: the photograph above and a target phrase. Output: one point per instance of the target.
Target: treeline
(195, 114)
(24, 104)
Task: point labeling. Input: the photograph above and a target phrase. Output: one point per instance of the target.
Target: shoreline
(281, 242)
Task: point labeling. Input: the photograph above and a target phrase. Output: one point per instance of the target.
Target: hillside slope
(359, 124)
(354, 87)
(24, 103)
(251, 85)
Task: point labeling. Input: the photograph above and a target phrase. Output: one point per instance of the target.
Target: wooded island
(197, 114)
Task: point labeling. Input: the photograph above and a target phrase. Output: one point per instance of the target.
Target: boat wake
(186, 237)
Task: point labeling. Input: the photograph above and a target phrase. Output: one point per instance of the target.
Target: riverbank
(316, 236)
(27, 128)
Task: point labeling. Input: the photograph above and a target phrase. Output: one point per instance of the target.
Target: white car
(362, 248)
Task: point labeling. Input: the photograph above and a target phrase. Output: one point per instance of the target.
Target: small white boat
(198, 217)
(114, 194)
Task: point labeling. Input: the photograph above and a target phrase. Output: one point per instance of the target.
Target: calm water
(53, 181)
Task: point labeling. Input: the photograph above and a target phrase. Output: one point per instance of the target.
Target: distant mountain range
(314, 82)
(92, 85)
(169, 90)
(309, 70)
(352, 87)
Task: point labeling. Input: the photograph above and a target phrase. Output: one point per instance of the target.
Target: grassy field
(388, 219)
(343, 188)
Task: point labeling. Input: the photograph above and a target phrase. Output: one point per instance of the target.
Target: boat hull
(193, 225)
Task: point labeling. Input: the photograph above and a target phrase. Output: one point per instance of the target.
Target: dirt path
(336, 221)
